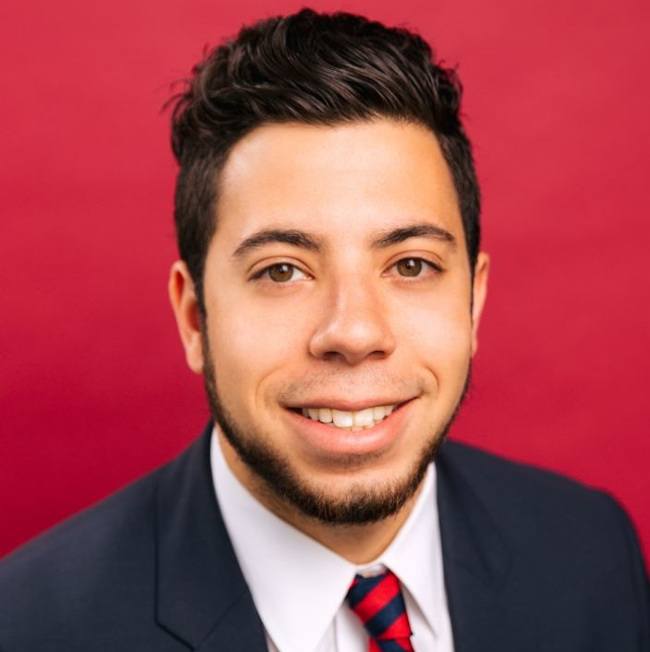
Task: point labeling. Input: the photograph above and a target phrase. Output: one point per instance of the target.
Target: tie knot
(379, 604)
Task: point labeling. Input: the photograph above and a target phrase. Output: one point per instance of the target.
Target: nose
(354, 325)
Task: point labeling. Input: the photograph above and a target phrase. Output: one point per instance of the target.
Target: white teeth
(355, 421)
(363, 417)
(379, 412)
(343, 419)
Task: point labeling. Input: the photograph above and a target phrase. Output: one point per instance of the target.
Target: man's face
(337, 286)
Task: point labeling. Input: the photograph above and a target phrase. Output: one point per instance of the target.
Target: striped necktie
(379, 604)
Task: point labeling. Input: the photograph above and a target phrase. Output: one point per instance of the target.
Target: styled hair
(313, 68)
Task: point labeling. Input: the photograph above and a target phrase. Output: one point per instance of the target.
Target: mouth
(352, 420)
(331, 431)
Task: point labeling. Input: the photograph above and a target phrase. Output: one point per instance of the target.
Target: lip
(330, 441)
(349, 406)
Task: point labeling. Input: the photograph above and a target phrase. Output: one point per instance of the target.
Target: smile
(333, 431)
(349, 420)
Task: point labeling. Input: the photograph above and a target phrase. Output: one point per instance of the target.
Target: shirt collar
(310, 592)
(415, 554)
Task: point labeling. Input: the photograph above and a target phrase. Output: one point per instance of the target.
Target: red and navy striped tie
(379, 604)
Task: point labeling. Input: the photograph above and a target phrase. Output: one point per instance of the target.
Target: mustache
(350, 384)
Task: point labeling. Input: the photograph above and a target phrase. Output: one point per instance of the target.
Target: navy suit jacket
(532, 562)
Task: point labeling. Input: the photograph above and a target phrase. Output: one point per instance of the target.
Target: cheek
(437, 330)
(248, 345)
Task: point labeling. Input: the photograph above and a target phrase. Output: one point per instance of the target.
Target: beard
(360, 506)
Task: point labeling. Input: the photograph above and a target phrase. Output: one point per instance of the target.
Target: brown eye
(281, 273)
(409, 267)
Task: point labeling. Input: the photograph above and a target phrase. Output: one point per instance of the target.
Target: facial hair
(361, 505)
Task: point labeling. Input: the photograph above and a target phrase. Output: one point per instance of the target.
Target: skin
(347, 324)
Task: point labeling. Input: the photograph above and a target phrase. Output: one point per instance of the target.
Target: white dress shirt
(299, 586)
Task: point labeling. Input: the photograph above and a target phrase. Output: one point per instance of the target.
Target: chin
(366, 497)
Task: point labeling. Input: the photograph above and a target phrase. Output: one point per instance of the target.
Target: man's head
(327, 214)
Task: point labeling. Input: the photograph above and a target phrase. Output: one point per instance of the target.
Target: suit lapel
(477, 562)
(202, 597)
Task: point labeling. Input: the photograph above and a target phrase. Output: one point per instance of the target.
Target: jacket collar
(202, 597)
(485, 609)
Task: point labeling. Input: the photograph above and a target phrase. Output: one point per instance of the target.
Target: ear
(479, 293)
(185, 305)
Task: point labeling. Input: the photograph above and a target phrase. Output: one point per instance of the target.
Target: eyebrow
(287, 236)
(307, 241)
(419, 230)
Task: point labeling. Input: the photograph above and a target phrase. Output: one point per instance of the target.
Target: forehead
(348, 179)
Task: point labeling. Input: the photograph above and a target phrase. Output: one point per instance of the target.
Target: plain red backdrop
(93, 386)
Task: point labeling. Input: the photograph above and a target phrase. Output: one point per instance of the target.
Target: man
(329, 290)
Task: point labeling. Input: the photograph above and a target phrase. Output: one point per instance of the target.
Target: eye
(412, 267)
(280, 273)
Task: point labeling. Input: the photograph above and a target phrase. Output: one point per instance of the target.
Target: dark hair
(312, 68)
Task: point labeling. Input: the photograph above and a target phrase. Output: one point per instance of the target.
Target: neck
(359, 544)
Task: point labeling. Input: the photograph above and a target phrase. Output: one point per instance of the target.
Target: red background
(93, 386)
